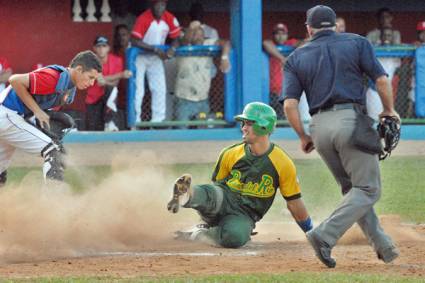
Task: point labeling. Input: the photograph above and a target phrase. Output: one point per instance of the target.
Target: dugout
(45, 38)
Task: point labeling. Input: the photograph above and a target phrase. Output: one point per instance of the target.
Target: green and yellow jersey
(256, 179)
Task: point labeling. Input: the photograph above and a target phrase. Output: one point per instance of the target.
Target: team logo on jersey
(264, 189)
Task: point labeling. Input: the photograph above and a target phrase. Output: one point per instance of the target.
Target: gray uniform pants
(356, 172)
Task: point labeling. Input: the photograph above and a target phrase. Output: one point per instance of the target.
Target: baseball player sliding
(32, 94)
(246, 178)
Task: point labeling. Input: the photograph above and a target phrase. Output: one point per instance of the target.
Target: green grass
(403, 186)
(288, 277)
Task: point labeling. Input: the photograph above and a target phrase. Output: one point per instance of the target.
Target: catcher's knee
(3, 178)
(53, 167)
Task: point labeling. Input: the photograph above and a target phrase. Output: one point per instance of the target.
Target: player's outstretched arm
(300, 214)
(272, 50)
(225, 50)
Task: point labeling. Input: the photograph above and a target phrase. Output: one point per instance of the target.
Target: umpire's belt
(336, 107)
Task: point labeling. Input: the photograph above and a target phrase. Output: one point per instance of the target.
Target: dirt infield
(269, 252)
(111, 230)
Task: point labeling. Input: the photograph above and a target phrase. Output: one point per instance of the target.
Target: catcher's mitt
(389, 130)
(60, 124)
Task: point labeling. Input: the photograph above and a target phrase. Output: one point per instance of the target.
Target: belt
(336, 107)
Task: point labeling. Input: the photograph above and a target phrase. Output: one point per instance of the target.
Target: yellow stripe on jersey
(288, 181)
(228, 157)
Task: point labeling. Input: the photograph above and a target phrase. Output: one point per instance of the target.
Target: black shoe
(322, 250)
(3, 178)
(388, 255)
(181, 187)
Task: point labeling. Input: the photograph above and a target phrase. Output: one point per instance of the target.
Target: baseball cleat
(388, 255)
(191, 234)
(322, 250)
(3, 178)
(181, 193)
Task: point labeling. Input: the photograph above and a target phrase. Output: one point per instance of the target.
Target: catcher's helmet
(263, 116)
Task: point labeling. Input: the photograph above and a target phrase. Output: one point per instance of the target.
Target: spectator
(276, 62)
(193, 78)
(420, 28)
(196, 13)
(100, 99)
(384, 18)
(403, 82)
(151, 29)
(340, 24)
(390, 64)
(121, 40)
(120, 44)
(5, 72)
(121, 14)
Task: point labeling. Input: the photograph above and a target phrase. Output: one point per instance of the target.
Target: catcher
(32, 94)
(246, 179)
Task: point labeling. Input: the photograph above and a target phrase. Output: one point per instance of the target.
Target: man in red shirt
(33, 93)
(120, 44)
(420, 32)
(276, 63)
(101, 97)
(151, 29)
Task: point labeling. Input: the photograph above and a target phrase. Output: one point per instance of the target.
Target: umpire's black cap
(320, 16)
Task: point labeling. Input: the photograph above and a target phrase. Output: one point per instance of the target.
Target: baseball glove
(389, 130)
(60, 124)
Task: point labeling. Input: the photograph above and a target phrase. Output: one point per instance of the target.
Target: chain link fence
(193, 92)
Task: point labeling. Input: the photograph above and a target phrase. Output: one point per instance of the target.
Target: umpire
(330, 69)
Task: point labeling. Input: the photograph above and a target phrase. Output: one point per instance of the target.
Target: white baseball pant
(15, 132)
(153, 67)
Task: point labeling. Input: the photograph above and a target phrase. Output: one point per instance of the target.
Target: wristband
(224, 57)
(306, 225)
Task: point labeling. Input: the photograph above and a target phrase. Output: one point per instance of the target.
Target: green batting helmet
(263, 116)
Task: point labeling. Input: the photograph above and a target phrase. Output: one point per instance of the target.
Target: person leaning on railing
(193, 78)
(276, 63)
(151, 29)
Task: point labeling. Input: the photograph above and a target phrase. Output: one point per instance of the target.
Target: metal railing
(181, 112)
(400, 62)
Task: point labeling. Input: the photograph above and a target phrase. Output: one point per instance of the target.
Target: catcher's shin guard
(181, 193)
(53, 167)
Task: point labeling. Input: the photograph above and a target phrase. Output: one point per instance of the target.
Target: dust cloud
(391, 224)
(125, 212)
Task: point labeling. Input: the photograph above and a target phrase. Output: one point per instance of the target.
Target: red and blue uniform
(47, 85)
